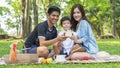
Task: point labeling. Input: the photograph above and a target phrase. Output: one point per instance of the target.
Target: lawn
(109, 45)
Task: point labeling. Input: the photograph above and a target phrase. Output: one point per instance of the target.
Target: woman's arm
(83, 31)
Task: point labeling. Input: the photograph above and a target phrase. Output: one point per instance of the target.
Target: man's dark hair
(64, 19)
(53, 8)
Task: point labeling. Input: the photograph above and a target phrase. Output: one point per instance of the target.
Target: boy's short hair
(52, 9)
(64, 19)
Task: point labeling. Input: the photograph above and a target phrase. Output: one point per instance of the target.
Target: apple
(85, 58)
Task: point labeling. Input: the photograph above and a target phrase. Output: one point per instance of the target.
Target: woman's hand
(76, 40)
(73, 37)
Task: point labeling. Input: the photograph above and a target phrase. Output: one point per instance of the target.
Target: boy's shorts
(62, 52)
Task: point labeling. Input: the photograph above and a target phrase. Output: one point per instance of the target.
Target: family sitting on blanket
(75, 46)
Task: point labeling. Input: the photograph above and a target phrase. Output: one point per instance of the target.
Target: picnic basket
(22, 58)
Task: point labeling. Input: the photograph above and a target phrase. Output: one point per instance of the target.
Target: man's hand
(62, 38)
(57, 48)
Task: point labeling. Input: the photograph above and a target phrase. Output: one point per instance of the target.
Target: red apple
(85, 58)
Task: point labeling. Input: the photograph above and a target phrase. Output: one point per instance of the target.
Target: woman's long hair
(74, 22)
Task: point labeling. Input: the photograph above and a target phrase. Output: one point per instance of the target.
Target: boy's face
(66, 25)
(53, 17)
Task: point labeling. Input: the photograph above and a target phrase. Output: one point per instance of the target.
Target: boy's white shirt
(68, 43)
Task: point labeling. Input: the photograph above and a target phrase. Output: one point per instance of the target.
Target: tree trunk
(107, 23)
(27, 18)
(17, 31)
(23, 18)
(35, 7)
(113, 17)
(45, 9)
(26, 24)
(118, 28)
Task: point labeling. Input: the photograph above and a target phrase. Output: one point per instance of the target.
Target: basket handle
(24, 47)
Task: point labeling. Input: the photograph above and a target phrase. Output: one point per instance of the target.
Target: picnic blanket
(113, 58)
(2, 61)
(101, 57)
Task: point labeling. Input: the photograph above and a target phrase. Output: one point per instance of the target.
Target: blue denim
(84, 33)
(62, 52)
(31, 50)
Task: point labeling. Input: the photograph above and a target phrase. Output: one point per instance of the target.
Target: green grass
(100, 65)
(109, 45)
(5, 46)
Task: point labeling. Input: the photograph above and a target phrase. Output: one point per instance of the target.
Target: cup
(59, 58)
(68, 33)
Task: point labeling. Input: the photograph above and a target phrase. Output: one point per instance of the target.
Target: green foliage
(10, 23)
(98, 12)
(17, 8)
(14, 20)
(2, 31)
(3, 10)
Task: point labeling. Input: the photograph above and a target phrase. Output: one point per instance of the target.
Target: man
(44, 34)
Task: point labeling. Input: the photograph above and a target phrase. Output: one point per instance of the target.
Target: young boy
(67, 44)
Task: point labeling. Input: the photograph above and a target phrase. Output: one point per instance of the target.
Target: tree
(104, 15)
(35, 7)
(26, 18)
(17, 13)
(23, 17)
(3, 11)
(113, 16)
(117, 8)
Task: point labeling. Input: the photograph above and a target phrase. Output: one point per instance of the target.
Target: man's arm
(44, 42)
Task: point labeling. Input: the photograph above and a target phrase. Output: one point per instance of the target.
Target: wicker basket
(22, 59)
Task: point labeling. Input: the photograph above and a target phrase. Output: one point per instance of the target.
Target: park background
(19, 17)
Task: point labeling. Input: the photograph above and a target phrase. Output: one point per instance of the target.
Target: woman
(85, 37)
